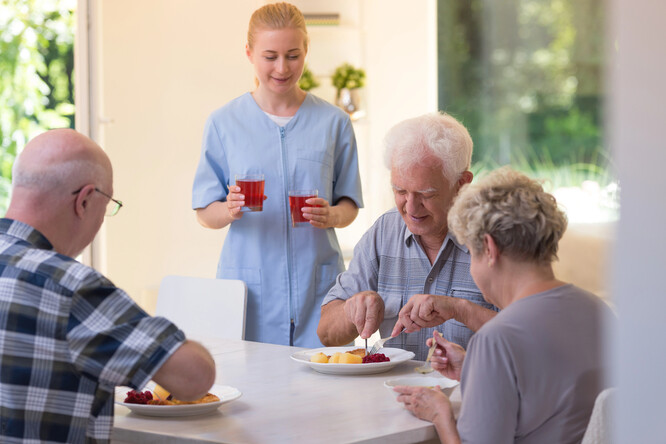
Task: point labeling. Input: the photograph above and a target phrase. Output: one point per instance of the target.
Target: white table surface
(284, 401)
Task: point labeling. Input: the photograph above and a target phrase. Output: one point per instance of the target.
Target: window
(525, 77)
(36, 76)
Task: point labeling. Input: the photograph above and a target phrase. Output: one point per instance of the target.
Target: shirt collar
(24, 232)
(410, 237)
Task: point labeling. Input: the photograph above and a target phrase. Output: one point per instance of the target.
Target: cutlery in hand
(427, 368)
(380, 343)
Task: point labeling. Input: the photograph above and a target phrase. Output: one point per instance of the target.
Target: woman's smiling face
(278, 56)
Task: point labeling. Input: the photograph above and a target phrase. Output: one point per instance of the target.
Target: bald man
(68, 336)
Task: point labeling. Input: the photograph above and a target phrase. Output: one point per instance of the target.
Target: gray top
(531, 374)
(390, 261)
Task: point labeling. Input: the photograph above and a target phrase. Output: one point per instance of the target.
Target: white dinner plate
(396, 356)
(224, 392)
(446, 385)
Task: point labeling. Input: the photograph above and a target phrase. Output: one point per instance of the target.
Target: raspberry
(134, 397)
(377, 357)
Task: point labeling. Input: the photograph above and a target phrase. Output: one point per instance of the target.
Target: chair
(204, 307)
(599, 428)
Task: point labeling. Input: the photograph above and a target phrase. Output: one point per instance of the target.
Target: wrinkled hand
(447, 358)
(366, 311)
(425, 403)
(424, 310)
(319, 215)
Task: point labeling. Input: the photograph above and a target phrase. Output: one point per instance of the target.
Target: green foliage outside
(36, 75)
(525, 77)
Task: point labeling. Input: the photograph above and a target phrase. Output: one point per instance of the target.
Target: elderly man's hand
(366, 311)
(424, 310)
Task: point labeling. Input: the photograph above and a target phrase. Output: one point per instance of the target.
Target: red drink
(253, 189)
(296, 202)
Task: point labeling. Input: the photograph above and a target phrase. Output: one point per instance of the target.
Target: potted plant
(307, 81)
(346, 76)
(347, 80)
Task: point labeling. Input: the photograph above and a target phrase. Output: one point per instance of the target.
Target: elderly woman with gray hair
(532, 373)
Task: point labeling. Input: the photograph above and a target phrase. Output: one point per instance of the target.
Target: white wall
(162, 66)
(637, 118)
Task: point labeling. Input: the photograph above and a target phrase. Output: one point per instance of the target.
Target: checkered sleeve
(112, 340)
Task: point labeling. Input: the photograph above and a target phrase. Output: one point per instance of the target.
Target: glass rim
(249, 177)
(313, 192)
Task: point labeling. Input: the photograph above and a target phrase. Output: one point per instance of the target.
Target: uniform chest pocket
(314, 169)
(316, 153)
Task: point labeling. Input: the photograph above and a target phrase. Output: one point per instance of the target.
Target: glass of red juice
(252, 186)
(297, 200)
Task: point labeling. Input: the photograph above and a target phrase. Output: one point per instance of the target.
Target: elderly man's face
(423, 197)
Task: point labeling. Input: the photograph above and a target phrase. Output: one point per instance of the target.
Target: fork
(379, 344)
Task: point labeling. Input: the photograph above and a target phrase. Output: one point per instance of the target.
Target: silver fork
(379, 344)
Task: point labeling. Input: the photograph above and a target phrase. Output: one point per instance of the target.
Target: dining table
(286, 401)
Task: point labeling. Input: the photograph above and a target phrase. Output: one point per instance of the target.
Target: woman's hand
(235, 200)
(425, 403)
(447, 358)
(323, 215)
(319, 214)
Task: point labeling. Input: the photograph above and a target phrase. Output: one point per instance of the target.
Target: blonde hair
(523, 220)
(277, 16)
(411, 141)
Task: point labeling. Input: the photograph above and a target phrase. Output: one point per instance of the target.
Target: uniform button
(430, 280)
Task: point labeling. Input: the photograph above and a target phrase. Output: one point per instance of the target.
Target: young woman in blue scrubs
(298, 141)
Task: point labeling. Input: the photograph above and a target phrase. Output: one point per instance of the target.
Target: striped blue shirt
(68, 336)
(390, 261)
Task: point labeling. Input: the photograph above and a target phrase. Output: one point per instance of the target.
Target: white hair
(412, 141)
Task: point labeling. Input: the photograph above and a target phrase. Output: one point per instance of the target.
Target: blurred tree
(525, 76)
(36, 75)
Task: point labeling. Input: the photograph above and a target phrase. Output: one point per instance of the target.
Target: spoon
(427, 368)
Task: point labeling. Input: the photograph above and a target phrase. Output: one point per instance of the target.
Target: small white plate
(447, 385)
(396, 356)
(224, 392)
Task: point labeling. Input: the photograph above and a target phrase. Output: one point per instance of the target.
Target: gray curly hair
(523, 220)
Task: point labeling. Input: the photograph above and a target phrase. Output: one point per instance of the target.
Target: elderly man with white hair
(408, 272)
(68, 336)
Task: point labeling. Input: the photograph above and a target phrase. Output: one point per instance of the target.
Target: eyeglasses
(113, 206)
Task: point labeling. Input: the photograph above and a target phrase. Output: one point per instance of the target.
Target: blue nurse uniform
(288, 271)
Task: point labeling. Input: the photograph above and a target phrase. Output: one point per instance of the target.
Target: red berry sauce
(377, 357)
(134, 397)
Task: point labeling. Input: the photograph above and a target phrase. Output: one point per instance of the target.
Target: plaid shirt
(389, 261)
(68, 336)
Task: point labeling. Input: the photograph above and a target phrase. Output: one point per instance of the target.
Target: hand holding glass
(297, 200)
(252, 187)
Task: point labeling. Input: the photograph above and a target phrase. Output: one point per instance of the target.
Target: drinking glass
(297, 200)
(252, 186)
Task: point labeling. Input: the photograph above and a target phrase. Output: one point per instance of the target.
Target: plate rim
(175, 409)
(302, 356)
(452, 384)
